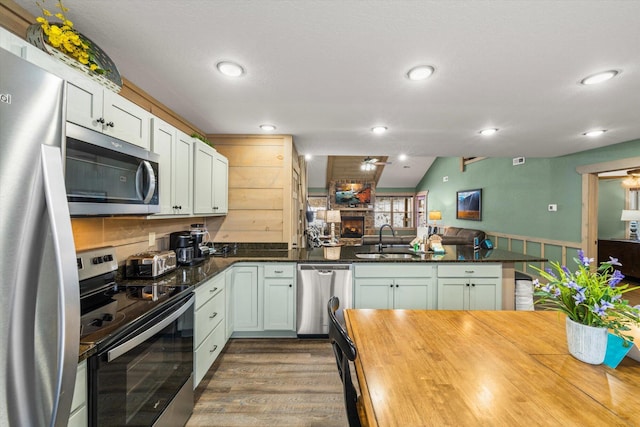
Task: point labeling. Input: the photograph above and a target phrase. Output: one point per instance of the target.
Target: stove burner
(152, 292)
(106, 307)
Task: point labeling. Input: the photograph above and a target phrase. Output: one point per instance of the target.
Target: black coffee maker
(182, 243)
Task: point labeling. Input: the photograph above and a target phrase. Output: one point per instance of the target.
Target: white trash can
(524, 292)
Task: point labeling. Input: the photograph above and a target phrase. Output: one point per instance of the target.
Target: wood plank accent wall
(261, 189)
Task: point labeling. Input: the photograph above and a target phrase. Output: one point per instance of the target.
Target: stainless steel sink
(370, 256)
(397, 256)
(384, 256)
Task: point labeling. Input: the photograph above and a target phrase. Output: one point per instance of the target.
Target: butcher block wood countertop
(483, 368)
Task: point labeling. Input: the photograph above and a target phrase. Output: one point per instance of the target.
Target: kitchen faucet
(393, 233)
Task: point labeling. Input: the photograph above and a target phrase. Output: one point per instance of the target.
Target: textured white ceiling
(327, 71)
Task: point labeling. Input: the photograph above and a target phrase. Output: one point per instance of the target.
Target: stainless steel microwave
(108, 176)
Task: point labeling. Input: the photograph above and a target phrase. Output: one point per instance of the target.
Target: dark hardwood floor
(271, 382)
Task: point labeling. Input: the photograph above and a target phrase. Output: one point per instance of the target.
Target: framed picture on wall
(469, 204)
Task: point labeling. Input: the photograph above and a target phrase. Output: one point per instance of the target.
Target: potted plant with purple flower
(593, 301)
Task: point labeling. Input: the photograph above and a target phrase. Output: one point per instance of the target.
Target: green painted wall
(515, 198)
(611, 197)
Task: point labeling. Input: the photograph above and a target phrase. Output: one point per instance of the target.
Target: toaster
(148, 265)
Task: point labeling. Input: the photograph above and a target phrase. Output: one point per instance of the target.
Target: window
(394, 210)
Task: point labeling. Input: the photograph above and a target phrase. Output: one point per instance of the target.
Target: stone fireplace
(352, 227)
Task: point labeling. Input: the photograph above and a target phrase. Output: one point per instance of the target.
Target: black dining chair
(345, 351)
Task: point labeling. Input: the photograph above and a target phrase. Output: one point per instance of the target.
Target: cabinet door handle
(100, 120)
(290, 285)
(397, 286)
(278, 271)
(111, 125)
(213, 290)
(473, 284)
(213, 315)
(214, 349)
(391, 285)
(469, 271)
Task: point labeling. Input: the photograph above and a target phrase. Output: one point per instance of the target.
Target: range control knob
(97, 260)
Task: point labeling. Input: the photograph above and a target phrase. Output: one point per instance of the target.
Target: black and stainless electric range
(141, 373)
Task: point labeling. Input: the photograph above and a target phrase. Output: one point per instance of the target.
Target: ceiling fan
(370, 163)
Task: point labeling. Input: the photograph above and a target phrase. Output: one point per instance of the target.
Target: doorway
(590, 199)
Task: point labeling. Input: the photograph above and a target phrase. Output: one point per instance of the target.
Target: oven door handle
(143, 336)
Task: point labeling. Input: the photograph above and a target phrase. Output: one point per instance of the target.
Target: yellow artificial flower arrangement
(62, 36)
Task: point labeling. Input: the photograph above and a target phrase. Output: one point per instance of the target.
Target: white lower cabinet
(279, 297)
(229, 298)
(79, 415)
(247, 298)
(209, 335)
(470, 286)
(389, 285)
(264, 298)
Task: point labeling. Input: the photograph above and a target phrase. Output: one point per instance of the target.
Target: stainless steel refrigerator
(39, 300)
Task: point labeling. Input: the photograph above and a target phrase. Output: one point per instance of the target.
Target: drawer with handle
(208, 290)
(279, 270)
(208, 316)
(207, 352)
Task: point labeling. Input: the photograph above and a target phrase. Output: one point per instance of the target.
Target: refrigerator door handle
(68, 289)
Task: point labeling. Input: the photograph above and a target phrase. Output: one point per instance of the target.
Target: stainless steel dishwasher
(316, 284)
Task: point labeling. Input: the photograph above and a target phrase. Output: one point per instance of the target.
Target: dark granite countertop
(213, 265)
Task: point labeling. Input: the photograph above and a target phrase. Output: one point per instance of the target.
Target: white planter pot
(586, 343)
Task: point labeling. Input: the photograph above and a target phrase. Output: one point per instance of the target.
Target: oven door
(107, 176)
(144, 378)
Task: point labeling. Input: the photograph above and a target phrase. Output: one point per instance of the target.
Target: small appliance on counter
(200, 236)
(182, 243)
(151, 264)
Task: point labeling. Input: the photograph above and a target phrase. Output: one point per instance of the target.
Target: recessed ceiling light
(230, 69)
(267, 128)
(379, 129)
(599, 77)
(489, 131)
(402, 157)
(421, 72)
(308, 156)
(593, 133)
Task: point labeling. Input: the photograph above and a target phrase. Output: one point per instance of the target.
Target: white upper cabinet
(210, 196)
(176, 168)
(94, 107)
(88, 104)
(183, 176)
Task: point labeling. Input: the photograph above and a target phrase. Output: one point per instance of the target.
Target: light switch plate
(553, 208)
